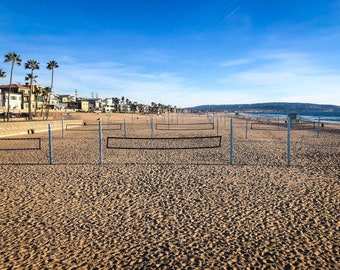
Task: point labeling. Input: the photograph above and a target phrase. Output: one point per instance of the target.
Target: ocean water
(326, 117)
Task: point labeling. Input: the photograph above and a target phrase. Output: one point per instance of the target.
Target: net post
(151, 127)
(124, 128)
(50, 143)
(318, 132)
(62, 127)
(288, 141)
(216, 126)
(100, 143)
(247, 119)
(231, 142)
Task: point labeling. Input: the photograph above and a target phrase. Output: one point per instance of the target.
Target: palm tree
(2, 73)
(14, 59)
(32, 65)
(37, 92)
(115, 101)
(34, 88)
(51, 66)
(45, 93)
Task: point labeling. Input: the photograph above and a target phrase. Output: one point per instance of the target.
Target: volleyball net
(93, 127)
(188, 126)
(164, 143)
(7, 144)
(266, 125)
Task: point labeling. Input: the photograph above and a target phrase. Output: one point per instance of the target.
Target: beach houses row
(71, 102)
(19, 100)
(19, 97)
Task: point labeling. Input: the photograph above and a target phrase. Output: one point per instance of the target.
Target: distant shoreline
(312, 117)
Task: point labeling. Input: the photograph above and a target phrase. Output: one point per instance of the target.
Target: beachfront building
(94, 103)
(18, 96)
(67, 102)
(83, 105)
(54, 101)
(67, 98)
(39, 96)
(15, 100)
(109, 105)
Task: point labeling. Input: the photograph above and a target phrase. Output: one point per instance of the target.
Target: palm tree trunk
(9, 92)
(30, 100)
(36, 105)
(49, 96)
(42, 109)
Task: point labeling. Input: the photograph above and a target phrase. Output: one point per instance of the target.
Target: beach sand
(172, 209)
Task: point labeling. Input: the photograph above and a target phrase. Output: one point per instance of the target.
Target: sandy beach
(173, 208)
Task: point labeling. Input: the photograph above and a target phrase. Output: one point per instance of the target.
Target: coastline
(307, 117)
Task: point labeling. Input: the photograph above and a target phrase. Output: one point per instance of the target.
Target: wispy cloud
(287, 77)
(264, 75)
(236, 62)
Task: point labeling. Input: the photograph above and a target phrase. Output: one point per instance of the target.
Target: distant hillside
(274, 107)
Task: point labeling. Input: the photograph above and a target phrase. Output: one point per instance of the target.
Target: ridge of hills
(269, 107)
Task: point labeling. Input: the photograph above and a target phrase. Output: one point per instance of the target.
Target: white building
(15, 100)
(54, 101)
(109, 105)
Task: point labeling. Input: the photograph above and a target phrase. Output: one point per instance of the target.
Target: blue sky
(180, 52)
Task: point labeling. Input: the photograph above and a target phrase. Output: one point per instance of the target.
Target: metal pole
(124, 128)
(50, 143)
(318, 133)
(247, 119)
(62, 127)
(217, 126)
(231, 142)
(100, 143)
(151, 126)
(288, 141)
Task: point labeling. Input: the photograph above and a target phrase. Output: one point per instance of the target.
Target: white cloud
(287, 77)
(263, 76)
(236, 62)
